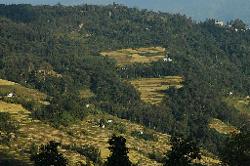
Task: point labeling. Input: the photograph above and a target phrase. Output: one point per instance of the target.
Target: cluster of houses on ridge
(222, 24)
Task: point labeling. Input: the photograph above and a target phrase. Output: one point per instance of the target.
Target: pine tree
(49, 156)
(119, 151)
(182, 153)
(237, 149)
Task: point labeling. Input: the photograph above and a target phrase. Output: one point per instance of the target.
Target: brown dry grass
(222, 127)
(5, 82)
(150, 89)
(28, 94)
(242, 104)
(140, 55)
(90, 132)
(86, 93)
(32, 132)
(85, 132)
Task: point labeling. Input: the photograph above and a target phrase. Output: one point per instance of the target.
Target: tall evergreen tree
(237, 149)
(119, 151)
(49, 156)
(182, 153)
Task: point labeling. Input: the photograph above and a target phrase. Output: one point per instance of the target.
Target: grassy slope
(242, 104)
(139, 55)
(7, 87)
(151, 89)
(85, 132)
(222, 127)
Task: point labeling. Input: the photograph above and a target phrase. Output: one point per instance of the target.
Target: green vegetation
(119, 152)
(10, 90)
(236, 151)
(242, 104)
(86, 93)
(182, 153)
(91, 152)
(8, 130)
(5, 123)
(49, 155)
(146, 135)
(55, 50)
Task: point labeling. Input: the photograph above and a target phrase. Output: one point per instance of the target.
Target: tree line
(213, 61)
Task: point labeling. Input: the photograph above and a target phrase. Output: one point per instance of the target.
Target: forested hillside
(57, 50)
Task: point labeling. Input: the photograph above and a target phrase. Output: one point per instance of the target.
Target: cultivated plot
(138, 55)
(152, 89)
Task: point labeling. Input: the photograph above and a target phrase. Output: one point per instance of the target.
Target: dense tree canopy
(182, 153)
(237, 149)
(55, 49)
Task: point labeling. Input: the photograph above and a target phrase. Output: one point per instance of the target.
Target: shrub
(146, 135)
(89, 151)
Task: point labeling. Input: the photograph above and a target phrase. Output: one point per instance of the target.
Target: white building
(110, 121)
(167, 59)
(10, 95)
(80, 26)
(220, 23)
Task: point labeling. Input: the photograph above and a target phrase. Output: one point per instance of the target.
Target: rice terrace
(152, 89)
(137, 55)
(222, 127)
(32, 133)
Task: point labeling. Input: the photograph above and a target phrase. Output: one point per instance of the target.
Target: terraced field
(86, 132)
(86, 93)
(139, 55)
(33, 133)
(222, 127)
(151, 89)
(7, 87)
(242, 104)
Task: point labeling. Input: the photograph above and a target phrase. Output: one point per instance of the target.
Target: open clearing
(242, 104)
(6, 82)
(85, 132)
(151, 89)
(86, 93)
(7, 87)
(222, 127)
(33, 133)
(139, 55)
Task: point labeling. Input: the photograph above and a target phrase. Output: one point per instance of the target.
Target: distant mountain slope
(56, 50)
(93, 130)
(197, 9)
